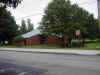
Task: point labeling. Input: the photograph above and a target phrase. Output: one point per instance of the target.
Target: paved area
(12, 69)
(20, 63)
(54, 51)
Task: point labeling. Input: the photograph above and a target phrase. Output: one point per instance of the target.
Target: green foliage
(9, 3)
(8, 26)
(88, 24)
(30, 25)
(91, 31)
(19, 39)
(23, 28)
(59, 20)
(56, 18)
(97, 28)
(63, 19)
(26, 27)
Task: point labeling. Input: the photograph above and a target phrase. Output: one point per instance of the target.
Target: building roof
(31, 33)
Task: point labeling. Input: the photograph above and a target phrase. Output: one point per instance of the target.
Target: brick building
(35, 38)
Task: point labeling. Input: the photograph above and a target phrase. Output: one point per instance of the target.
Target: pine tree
(30, 25)
(23, 28)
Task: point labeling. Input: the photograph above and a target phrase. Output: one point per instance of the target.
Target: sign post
(78, 33)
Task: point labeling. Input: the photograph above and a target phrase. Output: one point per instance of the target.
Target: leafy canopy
(26, 26)
(23, 28)
(30, 25)
(10, 3)
(8, 26)
(62, 19)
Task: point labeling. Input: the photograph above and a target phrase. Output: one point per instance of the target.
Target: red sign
(77, 32)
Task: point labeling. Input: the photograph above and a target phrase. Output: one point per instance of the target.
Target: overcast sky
(34, 9)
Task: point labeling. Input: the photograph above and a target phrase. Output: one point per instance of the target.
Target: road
(20, 63)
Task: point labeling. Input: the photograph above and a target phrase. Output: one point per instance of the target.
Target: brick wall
(18, 43)
(34, 40)
(52, 40)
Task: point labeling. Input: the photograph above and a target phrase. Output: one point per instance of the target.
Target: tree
(9, 3)
(91, 32)
(97, 28)
(86, 20)
(30, 25)
(58, 20)
(81, 19)
(8, 26)
(23, 28)
(63, 19)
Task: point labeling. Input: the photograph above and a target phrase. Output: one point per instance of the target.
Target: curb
(85, 53)
(42, 52)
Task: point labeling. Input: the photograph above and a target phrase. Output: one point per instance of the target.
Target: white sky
(35, 8)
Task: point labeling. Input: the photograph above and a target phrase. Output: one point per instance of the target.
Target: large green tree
(58, 20)
(8, 26)
(88, 24)
(9, 3)
(62, 19)
(91, 27)
(97, 29)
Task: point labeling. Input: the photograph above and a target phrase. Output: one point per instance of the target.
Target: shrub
(19, 39)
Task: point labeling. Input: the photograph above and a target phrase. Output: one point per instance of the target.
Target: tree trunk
(69, 42)
(10, 42)
(0, 42)
(3, 42)
(83, 42)
(62, 42)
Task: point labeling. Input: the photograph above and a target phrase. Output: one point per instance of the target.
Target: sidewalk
(53, 51)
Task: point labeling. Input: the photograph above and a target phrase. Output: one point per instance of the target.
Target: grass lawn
(88, 46)
(93, 46)
(44, 46)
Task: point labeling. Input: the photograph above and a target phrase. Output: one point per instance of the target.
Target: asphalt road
(20, 63)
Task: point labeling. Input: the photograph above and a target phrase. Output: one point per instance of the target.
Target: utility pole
(98, 4)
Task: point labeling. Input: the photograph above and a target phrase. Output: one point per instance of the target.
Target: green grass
(88, 46)
(44, 46)
(93, 46)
